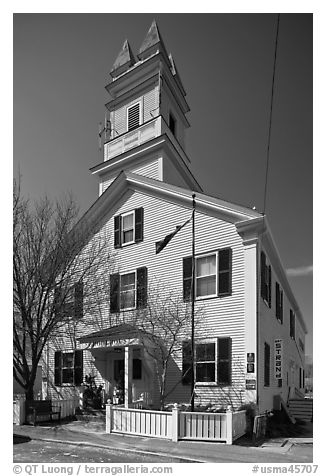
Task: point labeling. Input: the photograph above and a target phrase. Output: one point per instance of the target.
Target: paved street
(48, 452)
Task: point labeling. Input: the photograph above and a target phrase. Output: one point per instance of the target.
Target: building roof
(121, 331)
(152, 38)
(124, 60)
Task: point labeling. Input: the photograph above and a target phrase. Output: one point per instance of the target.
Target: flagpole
(193, 306)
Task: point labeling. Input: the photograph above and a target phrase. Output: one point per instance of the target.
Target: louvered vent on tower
(133, 116)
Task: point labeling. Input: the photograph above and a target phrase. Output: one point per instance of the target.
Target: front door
(119, 380)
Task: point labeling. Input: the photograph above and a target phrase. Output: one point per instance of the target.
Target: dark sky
(61, 65)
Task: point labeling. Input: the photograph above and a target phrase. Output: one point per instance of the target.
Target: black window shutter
(117, 231)
(78, 305)
(141, 287)
(187, 277)
(292, 324)
(187, 368)
(267, 356)
(269, 289)
(78, 367)
(139, 224)
(277, 300)
(224, 360)
(114, 292)
(262, 275)
(57, 368)
(225, 272)
(281, 306)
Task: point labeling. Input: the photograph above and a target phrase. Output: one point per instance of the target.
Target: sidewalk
(93, 434)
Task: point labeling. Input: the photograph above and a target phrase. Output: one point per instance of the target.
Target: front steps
(301, 408)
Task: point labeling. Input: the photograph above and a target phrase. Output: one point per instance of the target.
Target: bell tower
(147, 117)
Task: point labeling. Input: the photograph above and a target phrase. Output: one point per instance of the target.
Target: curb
(130, 450)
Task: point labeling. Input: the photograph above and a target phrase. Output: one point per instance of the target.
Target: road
(34, 451)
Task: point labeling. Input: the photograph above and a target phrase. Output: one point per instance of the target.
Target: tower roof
(124, 60)
(152, 40)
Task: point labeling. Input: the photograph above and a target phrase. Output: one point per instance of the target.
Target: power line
(271, 113)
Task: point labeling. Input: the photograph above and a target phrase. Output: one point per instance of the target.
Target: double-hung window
(213, 275)
(206, 362)
(129, 227)
(212, 362)
(68, 367)
(128, 290)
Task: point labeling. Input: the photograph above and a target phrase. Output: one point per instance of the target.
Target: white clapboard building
(250, 336)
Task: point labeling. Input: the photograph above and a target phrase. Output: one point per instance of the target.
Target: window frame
(217, 274)
(59, 367)
(206, 296)
(186, 346)
(134, 272)
(140, 115)
(122, 231)
(207, 342)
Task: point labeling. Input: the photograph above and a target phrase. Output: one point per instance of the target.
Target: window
(213, 275)
(301, 345)
(136, 369)
(206, 276)
(266, 280)
(205, 362)
(68, 368)
(128, 290)
(129, 227)
(212, 362)
(279, 302)
(69, 302)
(292, 324)
(267, 364)
(172, 124)
(133, 116)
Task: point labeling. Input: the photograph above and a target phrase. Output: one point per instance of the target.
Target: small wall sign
(250, 357)
(250, 384)
(250, 368)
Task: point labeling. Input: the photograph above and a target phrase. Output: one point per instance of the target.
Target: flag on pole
(162, 243)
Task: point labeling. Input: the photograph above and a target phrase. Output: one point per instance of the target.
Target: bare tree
(166, 325)
(55, 261)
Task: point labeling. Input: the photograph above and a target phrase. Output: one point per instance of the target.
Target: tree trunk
(29, 392)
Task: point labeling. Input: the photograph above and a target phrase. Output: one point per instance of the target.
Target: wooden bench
(35, 408)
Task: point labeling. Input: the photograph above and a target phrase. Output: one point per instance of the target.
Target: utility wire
(271, 113)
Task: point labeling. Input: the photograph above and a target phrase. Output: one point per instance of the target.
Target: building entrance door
(119, 381)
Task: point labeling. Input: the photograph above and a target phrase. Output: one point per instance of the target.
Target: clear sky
(62, 63)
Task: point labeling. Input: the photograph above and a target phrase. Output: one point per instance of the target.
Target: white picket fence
(67, 406)
(176, 425)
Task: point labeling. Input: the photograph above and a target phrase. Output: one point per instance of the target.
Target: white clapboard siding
(224, 317)
(293, 357)
(221, 317)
